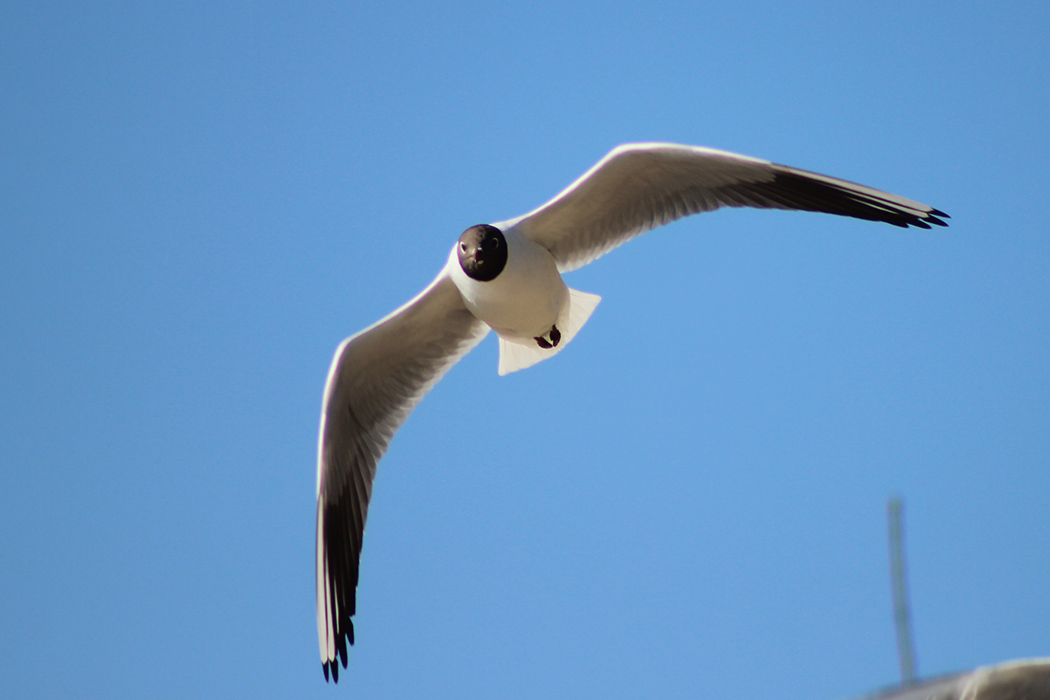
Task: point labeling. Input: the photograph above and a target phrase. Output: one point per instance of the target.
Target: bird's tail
(515, 355)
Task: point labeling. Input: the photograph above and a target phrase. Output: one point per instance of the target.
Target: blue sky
(198, 202)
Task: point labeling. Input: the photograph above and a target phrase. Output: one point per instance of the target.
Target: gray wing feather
(377, 377)
(637, 187)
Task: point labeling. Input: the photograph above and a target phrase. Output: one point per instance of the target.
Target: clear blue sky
(198, 202)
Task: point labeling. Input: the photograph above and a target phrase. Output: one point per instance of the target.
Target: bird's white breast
(525, 299)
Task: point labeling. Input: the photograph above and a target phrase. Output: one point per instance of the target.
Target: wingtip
(928, 219)
(331, 667)
(331, 671)
(934, 216)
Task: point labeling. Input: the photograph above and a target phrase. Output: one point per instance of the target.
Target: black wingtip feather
(324, 667)
(797, 189)
(340, 649)
(342, 544)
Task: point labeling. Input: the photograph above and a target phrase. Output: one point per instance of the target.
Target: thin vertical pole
(898, 578)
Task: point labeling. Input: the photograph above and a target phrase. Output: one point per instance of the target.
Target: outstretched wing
(376, 379)
(640, 186)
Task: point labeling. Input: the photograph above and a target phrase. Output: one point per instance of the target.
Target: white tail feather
(581, 306)
(515, 355)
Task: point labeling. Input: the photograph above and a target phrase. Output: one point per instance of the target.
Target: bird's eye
(463, 247)
(492, 243)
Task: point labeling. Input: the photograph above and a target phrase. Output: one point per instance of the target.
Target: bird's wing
(377, 377)
(1020, 678)
(641, 186)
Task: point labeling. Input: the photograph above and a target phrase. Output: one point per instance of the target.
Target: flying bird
(507, 277)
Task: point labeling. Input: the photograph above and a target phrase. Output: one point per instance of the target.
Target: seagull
(507, 277)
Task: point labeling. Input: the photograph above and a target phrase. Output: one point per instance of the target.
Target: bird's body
(507, 277)
(525, 300)
(527, 303)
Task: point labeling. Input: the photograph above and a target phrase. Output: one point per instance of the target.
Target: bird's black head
(482, 252)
